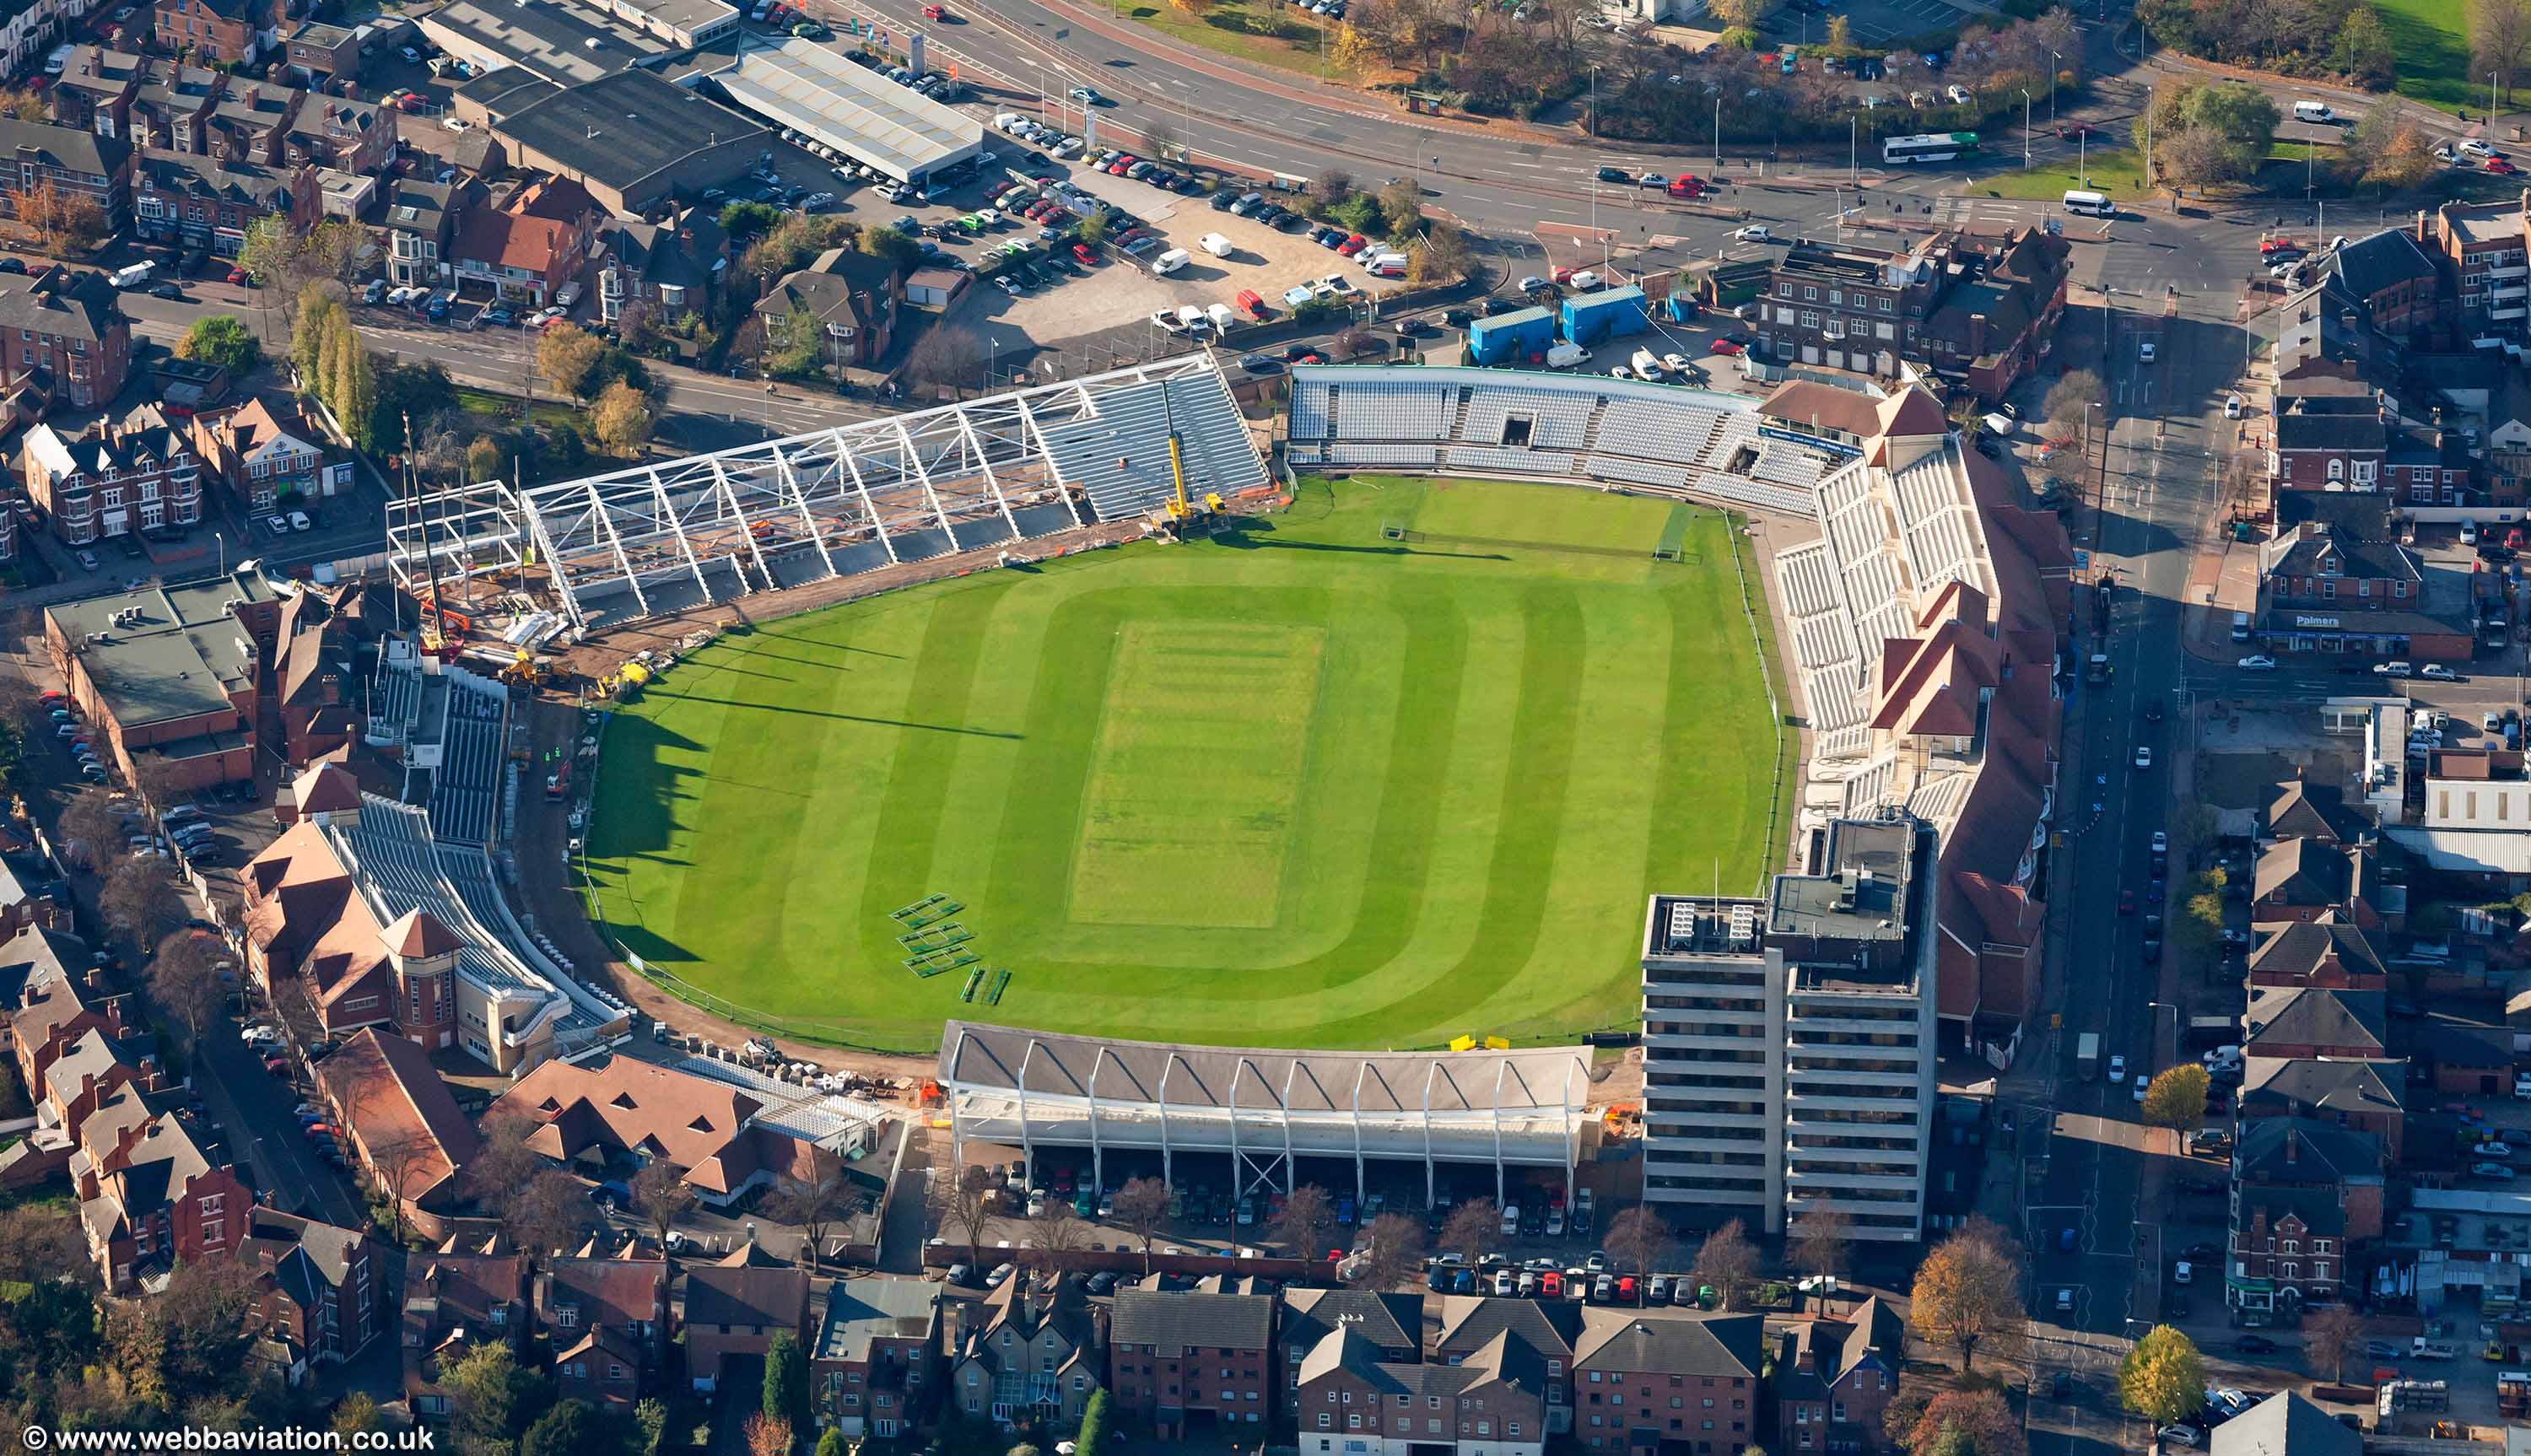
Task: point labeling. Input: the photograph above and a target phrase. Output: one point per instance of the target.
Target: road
(2156, 490)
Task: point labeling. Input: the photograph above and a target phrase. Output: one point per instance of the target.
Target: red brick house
(607, 1321)
(1492, 1403)
(1687, 1382)
(321, 1290)
(69, 325)
(2302, 880)
(2323, 952)
(2470, 1058)
(201, 202)
(2318, 566)
(392, 1112)
(1178, 1361)
(2359, 1097)
(2315, 1022)
(215, 31)
(1833, 1380)
(871, 1370)
(156, 1199)
(2323, 449)
(528, 248)
(735, 1307)
(466, 1293)
(71, 162)
(2303, 1191)
(115, 478)
(260, 456)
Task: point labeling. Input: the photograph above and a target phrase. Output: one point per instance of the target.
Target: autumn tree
(141, 902)
(2209, 133)
(1472, 1228)
(2162, 1379)
(621, 418)
(1727, 1263)
(1636, 1238)
(22, 104)
(2363, 50)
(1306, 1210)
(185, 981)
(1198, 9)
(768, 1435)
(1392, 1250)
(1142, 1209)
(786, 1383)
(2329, 1335)
(2176, 1098)
(1821, 1240)
(1919, 1416)
(1401, 207)
(41, 1241)
(1840, 32)
(2499, 41)
(567, 356)
(62, 221)
(661, 1196)
(1968, 1291)
(962, 1201)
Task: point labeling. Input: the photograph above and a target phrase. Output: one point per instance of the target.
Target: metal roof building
(814, 90)
(1266, 1108)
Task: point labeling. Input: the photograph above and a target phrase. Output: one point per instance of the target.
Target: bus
(2090, 205)
(1940, 147)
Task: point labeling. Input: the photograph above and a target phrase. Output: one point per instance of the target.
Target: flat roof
(814, 90)
(686, 16)
(551, 42)
(178, 659)
(2485, 222)
(1057, 1065)
(621, 129)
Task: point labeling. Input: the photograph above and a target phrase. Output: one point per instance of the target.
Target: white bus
(2090, 205)
(1938, 146)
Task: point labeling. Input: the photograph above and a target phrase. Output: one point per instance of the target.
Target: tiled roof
(2314, 1016)
(1229, 1321)
(1674, 1344)
(388, 1093)
(745, 1297)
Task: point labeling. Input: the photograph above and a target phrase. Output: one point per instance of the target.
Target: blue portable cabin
(1510, 338)
(1590, 317)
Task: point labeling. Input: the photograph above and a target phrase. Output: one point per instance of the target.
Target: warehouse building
(565, 44)
(811, 89)
(631, 137)
(683, 23)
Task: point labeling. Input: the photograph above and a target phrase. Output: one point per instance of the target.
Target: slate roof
(2325, 554)
(2298, 950)
(1392, 1321)
(1228, 1321)
(247, 184)
(2383, 261)
(2307, 810)
(76, 305)
(862, 1310)
(2304, 430)
(745, 1297)
(2330, 1085)
(2315, 1016)
(64, 148)
(2287, 1424)
(1677, 1344)
(1469, 1322)
(2305, 1150)
(2304, 871)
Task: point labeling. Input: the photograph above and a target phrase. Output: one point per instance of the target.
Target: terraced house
(67, 326)
(204, 203)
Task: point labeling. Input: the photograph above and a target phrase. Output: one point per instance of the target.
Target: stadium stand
(1660, 439)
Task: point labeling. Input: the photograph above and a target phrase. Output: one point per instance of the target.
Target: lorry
(2087, 1054)
(2513, 1393)
(2413, 1395)
(135, 275)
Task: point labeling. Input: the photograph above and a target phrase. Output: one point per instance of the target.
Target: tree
(2198, 930)
(569, 1428)
(1636, 1238)
(567, 356)
(64, 221)
(20, 103)
(394, 1157)
(1198, 9)
(2176, 1098)
(39, 1242)
(1472, 1228)
(1968, 1291)
(768, 1435)
(91, 818)
(219, 339)
(1351, 53)
(816, 1208)
(356, 391)
(1823, 1240)
(2206, 135)
(1840, 32)
(502, 1162)
(2406, 159)
(140, 900)
(2162, 1377)
(1392, 1250)
(786, 1382)
(661, 1196)
(1331, 186)
(1401, 207)
(747, 219)
(492, 1399)
(891, 245)
(1306, 1210)
(358, 1414)
(545, 1213)
(1919, 1420)
(830, 1442)
(621, 418)
(2328, 1336)
(1158, 136)
(2071, 399)
(1735, 15)
(185, 981)
(1726, 1262)
(946, 357)
(1445, 250)
(1092, 1438)
(795, 345)
(1058, 1233)
(1142, 1208)
(962, 1199)
(2500, 40)
(2364, 51)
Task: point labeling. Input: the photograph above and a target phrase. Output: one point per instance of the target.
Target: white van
(1647, 364)
(1566, 356)
(2315, 112)
(2090, 205)
(1221, 316)
(1384, 265)
(2240, 627)
(1170, 261)
(1191, 318)
(1215, 244)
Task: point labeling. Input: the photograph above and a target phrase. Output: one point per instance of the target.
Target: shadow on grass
(1250, 535)
(817, 712)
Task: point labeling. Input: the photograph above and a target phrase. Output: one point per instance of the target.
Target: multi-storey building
(870, 1368)
(69, 325)
(1028, 1351)
(137, 475)
(160, 1195)
(673, 267)
(1688, 1384)
(1981, 312)
(1177, 1355)
(1791, 1040)
(1354, 1399)
(321, 1290)
(608, 1320)
(2484, 243)
(68, 163)
(215, 31)
(421, 220)
(1834, 1378)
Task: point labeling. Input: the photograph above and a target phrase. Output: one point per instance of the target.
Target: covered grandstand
(1654, 438)
(658, 539)
(1266, 1110)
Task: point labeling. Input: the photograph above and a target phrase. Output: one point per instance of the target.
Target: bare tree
(1306, 1210)
(1727, 1262)
(140, 900)
(818, 1207)
(661, 1196)
(394, 1158)
(1393, 1249)
(547, 1214)
(503, 1163)
(1158, 136)
(41, 1241)
(89, 819)
(2330, 1336)
(161, 786)
(1821, 1240)
(1472, 1228)
(946, 357)
(962, 1201)
(1057, 1234)
(2500, 40)
(1142, 1209)
(1636, 1238)
(185, 981)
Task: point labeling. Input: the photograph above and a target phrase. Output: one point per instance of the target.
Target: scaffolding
(1264, 1108)
(651, 539)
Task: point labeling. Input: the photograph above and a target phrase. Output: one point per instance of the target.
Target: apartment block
(2486, 245)
(1791, 1040)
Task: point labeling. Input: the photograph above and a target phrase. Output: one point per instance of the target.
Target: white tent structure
(1264, 1108)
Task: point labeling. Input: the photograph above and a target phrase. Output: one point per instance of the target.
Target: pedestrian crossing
(1955, 211)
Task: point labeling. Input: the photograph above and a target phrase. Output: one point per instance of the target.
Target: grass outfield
(1308, 785)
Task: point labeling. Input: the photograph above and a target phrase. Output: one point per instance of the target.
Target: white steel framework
(655, 539)
(1264, 1108)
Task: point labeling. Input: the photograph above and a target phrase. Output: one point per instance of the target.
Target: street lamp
(2053, 58)
(1593, 120)
(2025, 129)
